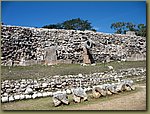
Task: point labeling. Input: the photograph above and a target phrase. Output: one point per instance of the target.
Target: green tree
(119, 27)
(130, 26)
(54, 26)
(77, 24)
(141, 30)
(73, 24)
(122, 27)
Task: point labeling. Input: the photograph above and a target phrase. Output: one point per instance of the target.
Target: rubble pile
(27, 46)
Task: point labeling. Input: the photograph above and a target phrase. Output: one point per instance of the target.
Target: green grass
(39, 71)
(47, 103)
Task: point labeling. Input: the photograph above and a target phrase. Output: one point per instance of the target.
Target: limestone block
(16, 97)
(76, 99)
(112, 88)
(60, 97)
(108, 92)
(45, 94)
(119, 87)
(11, 98)
(99, 91)
(28, 96)
(4, 99)
(44, 85)
(29, 91)
(56, 101)
(39, 94)
(79, 93)
(128, 85)
(86, 59)
(103, 92)
(128, 88)
(34, 95)
(22, 96)
(110, 67)
(49, 93)
(68, 91)
(96, 94)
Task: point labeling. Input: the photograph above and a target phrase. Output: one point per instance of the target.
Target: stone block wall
(27, 46)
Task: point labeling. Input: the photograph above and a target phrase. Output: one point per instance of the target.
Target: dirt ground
(135, 101)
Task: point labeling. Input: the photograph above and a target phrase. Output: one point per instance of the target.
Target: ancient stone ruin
(59, 86)
(27, 46)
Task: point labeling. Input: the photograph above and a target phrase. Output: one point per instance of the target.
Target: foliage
(73, 24)
(118, 26)
(130, 26)
(122, 27)
(141, 30)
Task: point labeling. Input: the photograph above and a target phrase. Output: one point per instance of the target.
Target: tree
(122, 27)
(54, 26)
(130, 26)
(119, 27)
(73, 24)
(141, 30)
(77, 24)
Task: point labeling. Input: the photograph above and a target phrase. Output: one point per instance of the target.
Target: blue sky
(100, 14)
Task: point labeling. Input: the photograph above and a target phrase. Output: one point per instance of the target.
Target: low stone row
(25, 96)
(79, 94)
(40, 87)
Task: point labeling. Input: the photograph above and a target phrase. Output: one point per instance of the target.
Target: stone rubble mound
(26, 46)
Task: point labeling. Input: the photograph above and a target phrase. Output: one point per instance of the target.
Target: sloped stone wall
(27, 46)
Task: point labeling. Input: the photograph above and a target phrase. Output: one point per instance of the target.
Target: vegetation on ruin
(39, 71)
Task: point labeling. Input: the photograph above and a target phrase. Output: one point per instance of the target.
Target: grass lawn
(39, 71)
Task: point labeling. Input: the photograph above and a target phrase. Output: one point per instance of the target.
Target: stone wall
(27, 46)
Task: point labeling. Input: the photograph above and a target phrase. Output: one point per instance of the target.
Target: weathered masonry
(27, 46)
(13, 90)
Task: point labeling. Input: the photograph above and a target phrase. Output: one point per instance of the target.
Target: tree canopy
(119, 27)
(141, 30)
(122, 27)
(73, 24)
